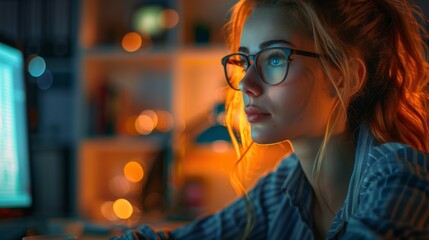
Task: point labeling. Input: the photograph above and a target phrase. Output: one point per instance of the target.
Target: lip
(255, 114)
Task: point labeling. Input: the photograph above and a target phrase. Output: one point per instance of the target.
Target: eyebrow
(266, 44)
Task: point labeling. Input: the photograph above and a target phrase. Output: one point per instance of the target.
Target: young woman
(346, 82)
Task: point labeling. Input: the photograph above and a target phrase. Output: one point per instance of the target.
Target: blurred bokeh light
(169, 18)
(147, 20)
(152, 114)
(134, 172)
(46, 80)
(132, 42)
(165, 121)
(107, 211)
(144, 124)
(122, 208)
(36, 66)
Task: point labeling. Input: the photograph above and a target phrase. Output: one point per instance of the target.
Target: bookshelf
(178, 73)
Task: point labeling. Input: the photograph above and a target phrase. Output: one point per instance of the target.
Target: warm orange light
(165, 121)
(220, 94)
(119, 186)
(220, 146)
(129, 125)
(131, 42)
(107, 211)
(133, 171)
(152, 114)
(144, 124)
(122, 208)
(169, 18)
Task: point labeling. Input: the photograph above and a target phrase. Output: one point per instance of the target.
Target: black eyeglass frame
(288, 52)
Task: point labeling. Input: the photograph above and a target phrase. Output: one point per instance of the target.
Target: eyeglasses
(272, 65)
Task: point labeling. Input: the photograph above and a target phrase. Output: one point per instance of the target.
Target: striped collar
(299, 190)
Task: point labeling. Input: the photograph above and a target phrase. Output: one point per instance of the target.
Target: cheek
(293, 98)
(291, 112)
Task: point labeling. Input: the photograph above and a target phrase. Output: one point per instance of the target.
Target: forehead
(274, 23)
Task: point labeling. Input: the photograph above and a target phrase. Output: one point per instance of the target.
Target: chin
(264, 137)
(267, 140)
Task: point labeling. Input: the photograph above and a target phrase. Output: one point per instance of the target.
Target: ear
(357, 79)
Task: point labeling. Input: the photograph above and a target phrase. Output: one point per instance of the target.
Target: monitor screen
(15, 181)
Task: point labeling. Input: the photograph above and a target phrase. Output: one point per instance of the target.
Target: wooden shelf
(179, 75)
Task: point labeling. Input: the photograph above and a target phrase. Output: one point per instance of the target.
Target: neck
(335, 172)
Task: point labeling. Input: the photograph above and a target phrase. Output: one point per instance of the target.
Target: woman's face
(299, 107)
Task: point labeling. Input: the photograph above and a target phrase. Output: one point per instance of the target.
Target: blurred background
(125, 108)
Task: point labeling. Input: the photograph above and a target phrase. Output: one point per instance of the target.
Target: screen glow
(14, 162)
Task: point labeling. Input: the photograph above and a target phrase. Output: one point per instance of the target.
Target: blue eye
(275, 61)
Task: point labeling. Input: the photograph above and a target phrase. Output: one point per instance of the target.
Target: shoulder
(392, 193)
(377, 161)
(394, 169)
(396, 159)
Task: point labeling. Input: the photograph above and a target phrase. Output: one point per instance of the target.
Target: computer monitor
(15, 180)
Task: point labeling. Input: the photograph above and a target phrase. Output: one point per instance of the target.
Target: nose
(251, 84)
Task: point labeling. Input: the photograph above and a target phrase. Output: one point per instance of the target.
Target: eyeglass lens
(271, 64)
